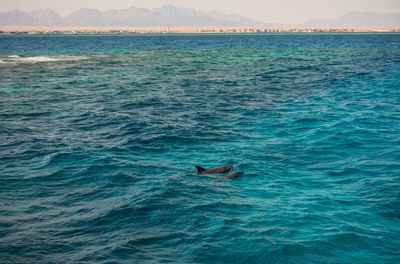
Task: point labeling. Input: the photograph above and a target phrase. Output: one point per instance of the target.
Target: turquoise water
(99, 136)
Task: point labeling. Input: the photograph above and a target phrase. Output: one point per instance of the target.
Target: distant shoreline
(30, 30)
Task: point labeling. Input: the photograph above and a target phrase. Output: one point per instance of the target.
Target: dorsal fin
(200, 169)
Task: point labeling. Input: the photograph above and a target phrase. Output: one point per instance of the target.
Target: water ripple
(99, 136)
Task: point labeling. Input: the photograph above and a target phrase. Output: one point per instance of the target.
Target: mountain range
(132, 17)
(358, 20)
(172, 16)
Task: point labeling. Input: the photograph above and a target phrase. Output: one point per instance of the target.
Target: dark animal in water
(230, 176)
(221, 169)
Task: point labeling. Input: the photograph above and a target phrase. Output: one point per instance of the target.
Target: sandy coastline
(128, 30)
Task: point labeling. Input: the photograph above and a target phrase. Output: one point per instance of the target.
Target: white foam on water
(37, 59)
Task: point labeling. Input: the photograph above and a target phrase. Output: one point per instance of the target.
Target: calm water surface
(99, 136)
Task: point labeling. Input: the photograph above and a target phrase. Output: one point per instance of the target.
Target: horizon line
(35, 30)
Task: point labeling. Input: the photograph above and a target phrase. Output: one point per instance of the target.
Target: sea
(99, 136)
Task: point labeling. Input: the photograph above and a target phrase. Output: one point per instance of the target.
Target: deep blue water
(99, 136)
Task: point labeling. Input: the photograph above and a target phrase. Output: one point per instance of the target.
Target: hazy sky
(282, 11)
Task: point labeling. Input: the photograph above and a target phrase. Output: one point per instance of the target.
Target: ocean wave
(36, 59)
(13, 59)
(97, 155)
